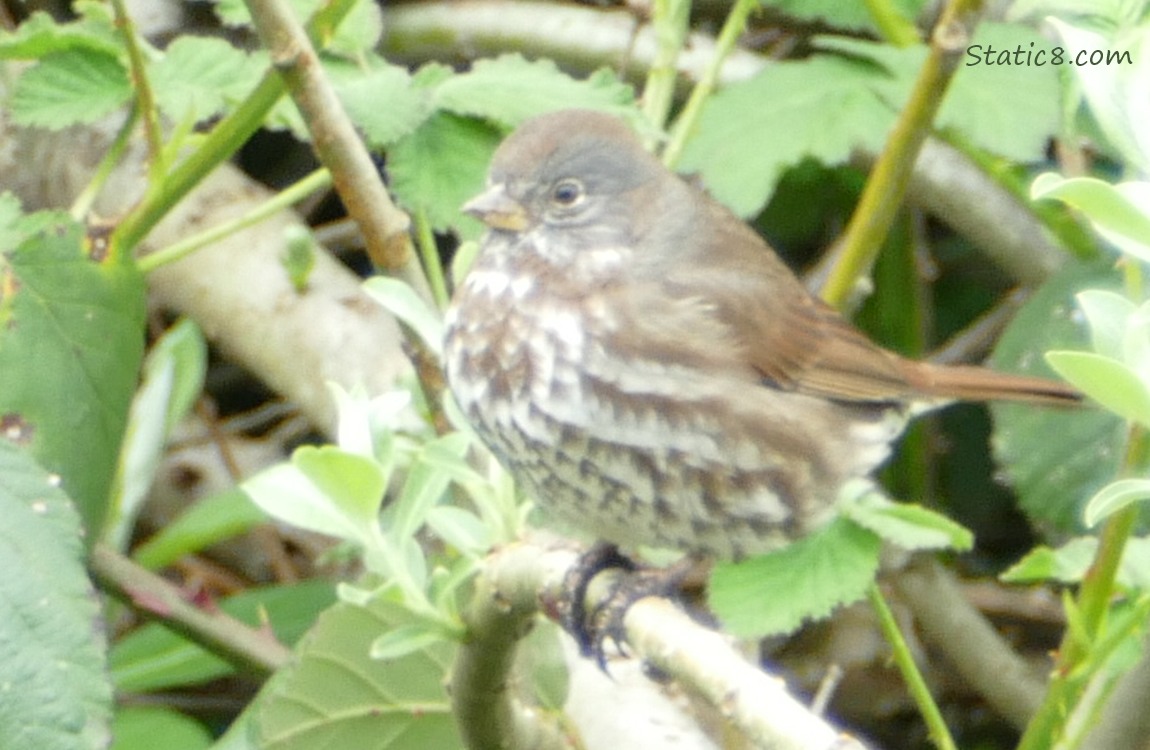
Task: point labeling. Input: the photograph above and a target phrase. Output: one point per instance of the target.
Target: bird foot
(594, 629)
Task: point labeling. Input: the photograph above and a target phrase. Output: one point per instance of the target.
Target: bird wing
(792, 339)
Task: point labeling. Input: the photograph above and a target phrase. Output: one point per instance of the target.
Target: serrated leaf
(509, 89)
(1114, 497)
(357, 33)
(70, 349)
(1107, 381)
(335, 696)
(76, 86)
(441, 165)
(1054, 458)
(401, 300)
(200, 76)
(841, 15)
(744, 142)
(806, 580)
(40, 35)
(909, 526)
(361, 93)
(52, 650)
(974, 101)
(153, 658)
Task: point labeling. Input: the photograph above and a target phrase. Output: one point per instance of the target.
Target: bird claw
(593, 630)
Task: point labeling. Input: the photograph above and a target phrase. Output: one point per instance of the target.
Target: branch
(249, 649)
(659, 633)
(887, 184)
(385, 228)
(975, 650)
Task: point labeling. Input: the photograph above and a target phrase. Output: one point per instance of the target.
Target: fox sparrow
(650, 371)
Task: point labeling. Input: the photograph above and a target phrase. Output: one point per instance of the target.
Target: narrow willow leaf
(1114, 497)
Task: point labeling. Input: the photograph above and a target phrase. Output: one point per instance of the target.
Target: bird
(651, 372)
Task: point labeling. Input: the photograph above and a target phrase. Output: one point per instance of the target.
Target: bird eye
(567, 192)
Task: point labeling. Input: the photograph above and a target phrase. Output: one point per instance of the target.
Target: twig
(658, 632)
(887, 185)
(385, 228)
(976, 651)
(247, 648)
(732, 29)
(501, 611)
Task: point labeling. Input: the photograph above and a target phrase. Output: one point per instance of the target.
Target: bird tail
(970, 383)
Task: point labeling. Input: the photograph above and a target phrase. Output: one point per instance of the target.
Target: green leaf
(775, 593)
(52, 650)
(975, 103)
(153, 658)
(423, 488)
(840, 15)
(361, 92)
(1107, 381)
(40, 35)
(323, 489)
(509, 89)
(398, 298)
(1065, 564)
(173, 378)
(137, 727)
(205, 522)
(70, 349)
(439, 166)
(200, 76)
(1069, 563)
(1114, 497)
(1054, 458)
(77, 86)
(1107, 313)
(744, 140)
(1121, 213)
(909, 526)
(298, 258)
(461, 528)
(335, 696)
(406, 640)
(357, 33)
(1114, 90)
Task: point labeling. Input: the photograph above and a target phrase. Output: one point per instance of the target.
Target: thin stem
(145, 100)
(429, 254)
(892, 25)
(83, 203)
(1070, 678)
(250, 649)
(671, 18)
(732, 29)
(317, 180)
(217, 147)
(915, 683)
(886, 187)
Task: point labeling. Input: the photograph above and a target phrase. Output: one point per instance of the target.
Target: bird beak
(497, 210)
